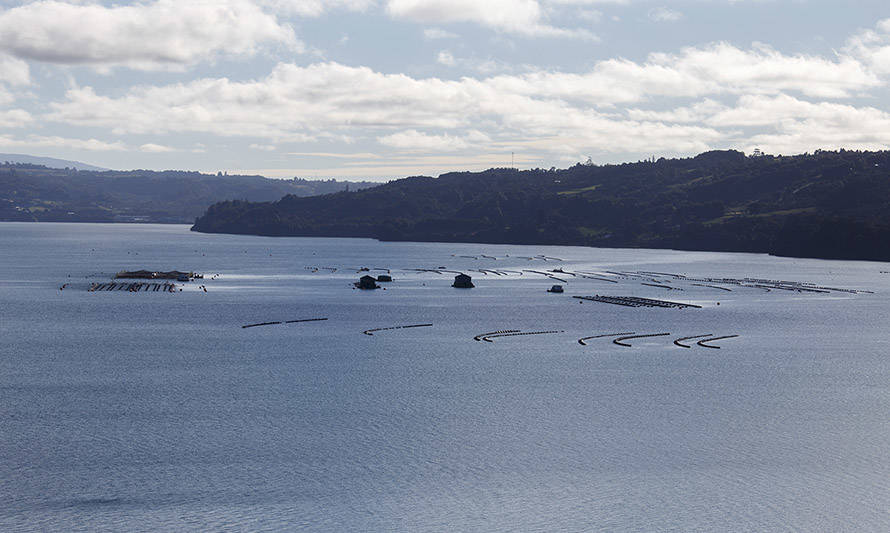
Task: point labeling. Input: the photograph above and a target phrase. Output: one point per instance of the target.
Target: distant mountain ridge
(32, 192)
(826, 205)
(50, 162)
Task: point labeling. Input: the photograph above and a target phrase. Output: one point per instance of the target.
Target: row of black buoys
(582, 340)
(487, 338)
(661, 286)
(620, 340)
(498, 332)
(261, 324)
(679, 342)
(275, 323)
(712, 287)
(372, 331)
(635, 301)
(706, 341)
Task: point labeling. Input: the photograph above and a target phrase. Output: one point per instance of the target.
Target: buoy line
(704, 342)
(283, 322)
(482, 335)
(371, 331)
(679, 342)
(619, 341)
(518, 334)
(582, 339)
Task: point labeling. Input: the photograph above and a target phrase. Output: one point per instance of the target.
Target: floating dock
(132, 287)
(634, 301)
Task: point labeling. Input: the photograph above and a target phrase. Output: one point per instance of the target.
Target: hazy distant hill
(31, 192)
(50, 162)
(828, 204)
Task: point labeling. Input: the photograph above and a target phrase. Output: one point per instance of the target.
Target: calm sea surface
(155, 411)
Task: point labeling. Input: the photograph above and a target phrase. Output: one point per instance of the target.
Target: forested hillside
(827, 204)
(36, 193)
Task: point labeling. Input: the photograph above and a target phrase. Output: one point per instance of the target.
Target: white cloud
(14, 71)
(824, 126)
(163, 34)
(15, 118)
(591, 15)
(698, 112)
(438, 33)
(38, 141)
(697, 71)
(785, 124)
(263, 147)
(562, 113)
(664, 14)
(315, 8)
(153, 148)
(872, 47)
(302, 103)
(524, 17)
(413, 140)
(445, 58)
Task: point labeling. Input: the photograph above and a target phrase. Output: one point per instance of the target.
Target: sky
(383, 89)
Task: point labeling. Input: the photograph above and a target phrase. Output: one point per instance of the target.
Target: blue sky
(382, 89)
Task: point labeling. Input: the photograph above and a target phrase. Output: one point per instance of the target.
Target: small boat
(556, 289)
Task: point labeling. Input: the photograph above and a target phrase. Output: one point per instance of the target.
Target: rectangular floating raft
(633, 301)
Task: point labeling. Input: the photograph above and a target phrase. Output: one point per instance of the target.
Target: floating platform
(634, 301)
(132, 287)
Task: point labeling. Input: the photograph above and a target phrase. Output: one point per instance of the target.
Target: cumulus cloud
(726, 96)
(303, 103)
(664, 14)
(446, 58)
(263, 147)
(419, 141)
(438, 33)
(872, 47)
(153, 148)
(163, 34)
(39, 141)
(15, 118)
(799, 126)
(14, 71)
(697, 71)
(785, 124)
(525, 17)
(315, 8)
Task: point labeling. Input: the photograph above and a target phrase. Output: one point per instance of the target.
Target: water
(138, 412)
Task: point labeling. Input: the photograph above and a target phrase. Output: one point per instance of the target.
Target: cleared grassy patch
(578, 191)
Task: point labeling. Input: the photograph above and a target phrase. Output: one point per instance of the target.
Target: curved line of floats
(582, 339)
(619, 340)
(703, 342)
(679, 342)
(283, 322)
(371, 331)
(483, 335)
(488, 338)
